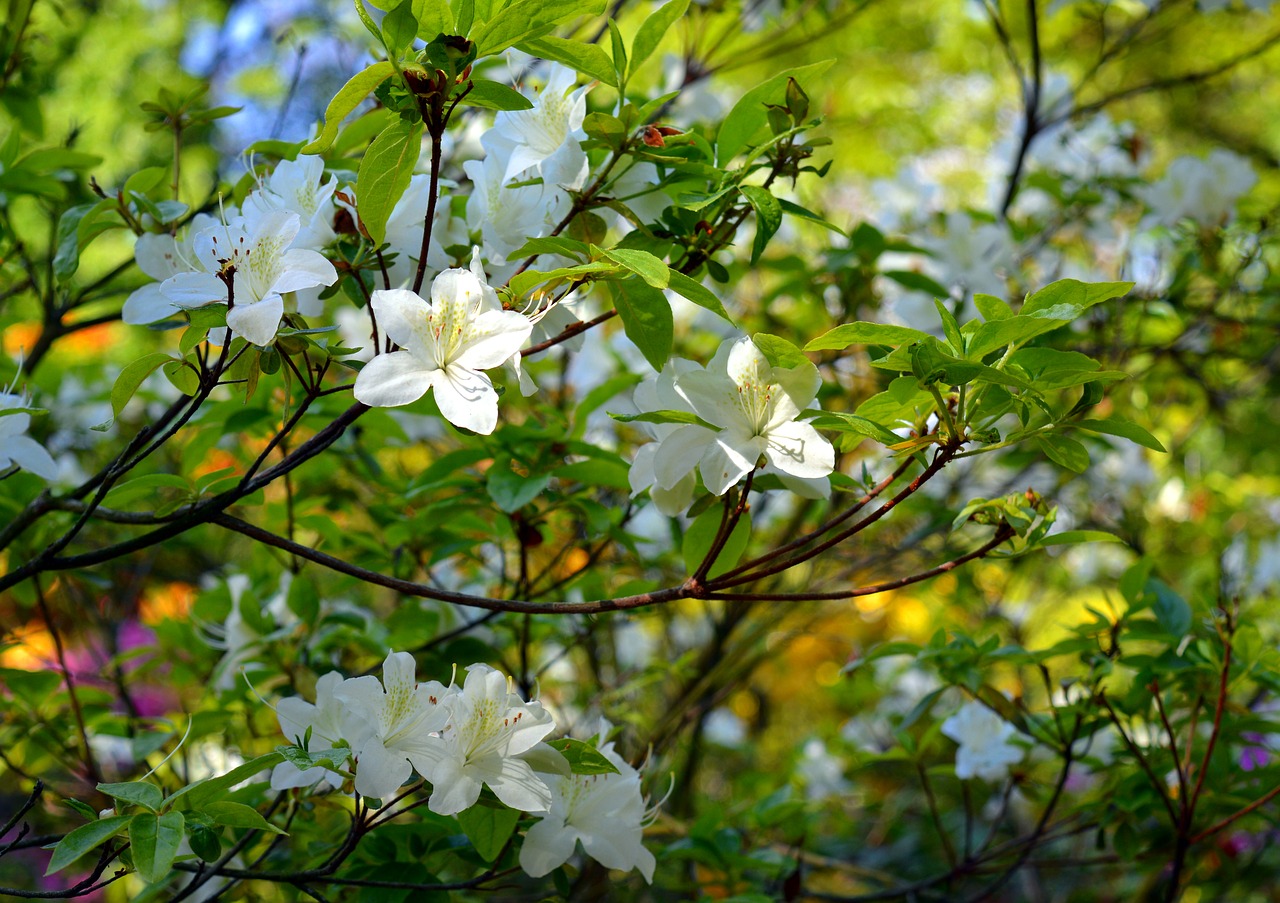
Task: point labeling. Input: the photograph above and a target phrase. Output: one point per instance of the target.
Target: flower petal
(729, 458)
(194, 289)
(304, 268)
(547, 846)
(494, 336)
(257, 322)
(390, 380)
(798, 449)
(147, 305)
(30, 455)
(466, 398)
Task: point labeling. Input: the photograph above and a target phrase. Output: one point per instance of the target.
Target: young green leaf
(85, 838)
(154, 842)
(646, 318)
(768, 217)
(488, 828)
(349, 96)
(384, 174)
(651, 32)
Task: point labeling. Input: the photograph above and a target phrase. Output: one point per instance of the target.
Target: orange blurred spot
(95, 338)
(20, 337)
(575, 561)
(216, 459)
(173, 600)
(34, 650)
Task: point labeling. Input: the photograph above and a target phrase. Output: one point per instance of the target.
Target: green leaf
(238, 815)
(1171, 610)
(521, 283)
(154, 842)
(695, 291)
(651, 32)
(797, 211)
(528, 19)
(702, 533)
(496, 96)
(332, 759)
(643, 264)
(842, 337)
(347, 99)
(184, 376)
(67, 259)
(619, 48)
(132, 376)
(434, 18)
(384, 175)
(1070, 537)
(83, 839)
(583, 758)
(917, 282)
(303, 600)
(843, 422)
(588, 59)
(205, 843)
(991, 307)
(1067, 299)
(399, 28)
(780, 352)
(950, 328)
(138, 793)
(749, 114)
(664, 417)
(511, 491)
(210, 789)
(1065, 452)
(488, 828)
(605, 128)
(646, 319)
(1125, 429)
(768, 217)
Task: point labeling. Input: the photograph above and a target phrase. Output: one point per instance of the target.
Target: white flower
(329, 721)
(261, 266)
(985, 751)
(16, 447)
(549, 135)
(446, 344)
(603, 812)
(659, 394)
(1201, 190)
(160, 257)
(508, 217)
(295, 186)
(402, 715)
(755, 405)
(404, 233)
(972, 256)
(488, 729)
(821, 772)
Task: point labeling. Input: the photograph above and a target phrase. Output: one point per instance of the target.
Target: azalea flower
(295, 186)
(404, 233)
(548, 136)
(402, 714)
(16, 447)
(754, 405)
(160, 257)
(659, 394)
(330, 722)
(985, 751)
(446, 343)
(603, 812)
(1204, 190)
(509, 216)
(256, 259)
(489, 729)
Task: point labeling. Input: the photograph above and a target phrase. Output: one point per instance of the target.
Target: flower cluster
(749, 408)
(250, 260)
(460, 740)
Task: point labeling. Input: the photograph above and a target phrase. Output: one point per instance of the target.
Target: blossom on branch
(16, 447)
(446, 344)
(603, 812)
(985, 751)
(489, 729)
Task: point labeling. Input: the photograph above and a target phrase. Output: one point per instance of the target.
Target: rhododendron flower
(402, 714)
(258, 262)
(328, 720)
(16, 447)
(295, 186)
(446, 343)
(754, 404)
(548, 136)
(985, 751)
(603, 812)
(660, 394)
(161, 257)
(488, 729)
